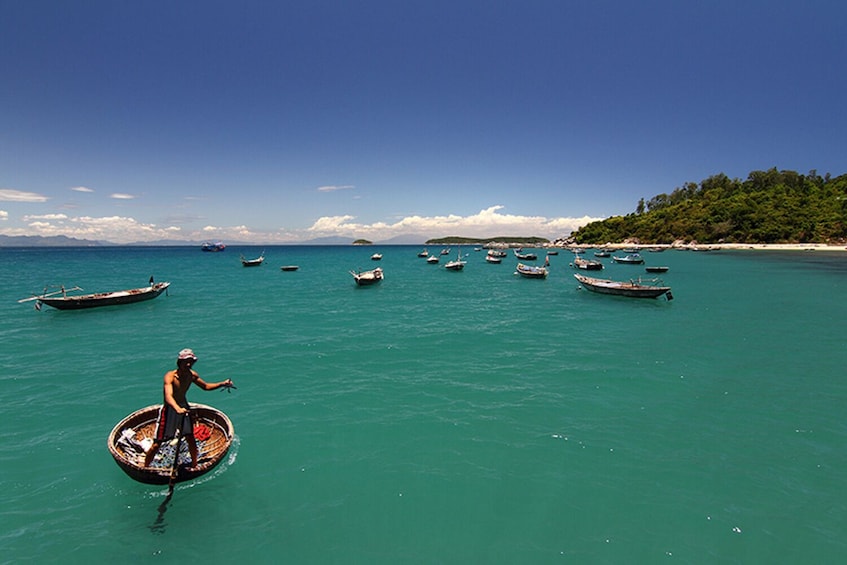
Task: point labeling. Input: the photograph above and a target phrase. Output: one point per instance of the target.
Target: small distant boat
(423, 253)
(525, 256)
(493, 258)
(289, 267)
(445, 251)
(367, 278)
(631, 259)
(253, 262)
(432, 259)
(601, 253)
(82, 301)
(531, 272)
(634, 288)
(499, 253)
(634, 250)
(552, 252)
(656, 269)
(456, 265)
(376, 257)
(132, 436)
(587, 264)
(213, 247)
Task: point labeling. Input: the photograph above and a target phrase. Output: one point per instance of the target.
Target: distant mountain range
(64, 241)
(53, 241)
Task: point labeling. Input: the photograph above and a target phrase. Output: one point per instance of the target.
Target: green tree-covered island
(768, 207)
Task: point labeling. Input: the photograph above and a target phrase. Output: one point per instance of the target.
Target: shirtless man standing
(175, 410)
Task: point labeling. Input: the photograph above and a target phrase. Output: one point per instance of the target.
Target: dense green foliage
(456, 240)
(362, 242)
(769, 207)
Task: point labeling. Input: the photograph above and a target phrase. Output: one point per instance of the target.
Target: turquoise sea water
(439, 417)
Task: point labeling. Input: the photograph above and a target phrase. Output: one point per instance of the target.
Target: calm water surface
(439, 417)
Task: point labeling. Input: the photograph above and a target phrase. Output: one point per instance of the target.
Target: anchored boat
(635, 288)
(79, 301)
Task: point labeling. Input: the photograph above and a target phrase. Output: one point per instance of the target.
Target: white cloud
(332, 223)
(11, 195)
(82, 189)
(117, 229)
(122, 196)
(4, 215)
(31, 218)
(489, 222)
(333, 188)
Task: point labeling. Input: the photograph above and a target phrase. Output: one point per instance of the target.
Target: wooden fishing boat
(531, 272)
(432, 259)
(253, 262)
(80, 301)
(587, 264)
(493, 259)
(367, 278)
(634, 288)
(656, 269)
(630, 259)
(132, 436)
(525, 256)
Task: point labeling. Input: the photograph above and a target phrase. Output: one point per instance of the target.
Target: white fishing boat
(367, 278)
(457, 264)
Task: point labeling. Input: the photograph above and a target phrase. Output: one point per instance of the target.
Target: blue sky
(284, 121)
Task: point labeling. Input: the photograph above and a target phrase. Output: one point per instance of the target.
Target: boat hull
(142, 423)
(630, 289)
(83, 301)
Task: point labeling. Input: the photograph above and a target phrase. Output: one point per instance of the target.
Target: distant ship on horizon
(212, 247)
